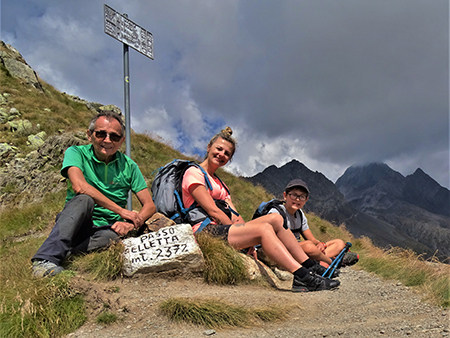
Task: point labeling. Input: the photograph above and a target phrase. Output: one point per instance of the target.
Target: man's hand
(122, 228)
(132, 216)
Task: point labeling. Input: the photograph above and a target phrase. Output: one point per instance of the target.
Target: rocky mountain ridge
(418, 189)
(415, 204)
(374, 201)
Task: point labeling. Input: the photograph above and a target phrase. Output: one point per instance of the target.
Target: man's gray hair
(108, 114)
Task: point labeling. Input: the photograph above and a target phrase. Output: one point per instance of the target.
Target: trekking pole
(334, 264)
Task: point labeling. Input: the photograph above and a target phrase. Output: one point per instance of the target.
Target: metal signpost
(126, 31)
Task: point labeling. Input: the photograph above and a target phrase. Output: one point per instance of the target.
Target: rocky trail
(363, 306)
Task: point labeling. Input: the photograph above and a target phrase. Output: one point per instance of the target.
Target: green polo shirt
(113, 180)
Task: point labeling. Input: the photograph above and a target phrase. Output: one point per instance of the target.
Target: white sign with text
(126, 31)
(170, 248)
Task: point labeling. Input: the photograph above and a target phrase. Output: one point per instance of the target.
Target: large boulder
(170, 248)
(34, 175)
(6, 151)
(20, 126)
(111, 107)
(8, 114)
(37, 140)
(17, 67)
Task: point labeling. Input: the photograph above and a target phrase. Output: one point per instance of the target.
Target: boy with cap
(295, 195)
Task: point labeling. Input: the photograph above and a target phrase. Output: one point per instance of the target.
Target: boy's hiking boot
(350, 258)
(43, 268)
(313, 282)
(320, 270)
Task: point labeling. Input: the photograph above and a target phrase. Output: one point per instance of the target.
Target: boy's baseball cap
(297, 183)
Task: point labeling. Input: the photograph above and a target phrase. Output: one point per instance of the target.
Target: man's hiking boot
(43, 268)
(320, 270)
(350, 258)
(313, 282)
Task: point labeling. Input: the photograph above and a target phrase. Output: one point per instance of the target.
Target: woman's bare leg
(278, 245)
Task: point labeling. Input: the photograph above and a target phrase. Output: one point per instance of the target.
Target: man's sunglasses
(101, 134)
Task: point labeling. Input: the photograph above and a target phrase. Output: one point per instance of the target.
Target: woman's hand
(204, 199)
(235, 219)
(252, 252)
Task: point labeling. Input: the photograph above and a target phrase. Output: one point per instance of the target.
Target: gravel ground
(363, 306)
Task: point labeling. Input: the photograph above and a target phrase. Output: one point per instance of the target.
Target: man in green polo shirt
(95, 214)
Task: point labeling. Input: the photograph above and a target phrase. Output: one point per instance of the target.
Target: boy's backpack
(167, 194)
(264, 208)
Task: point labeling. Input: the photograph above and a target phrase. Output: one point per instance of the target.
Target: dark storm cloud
(330, 83)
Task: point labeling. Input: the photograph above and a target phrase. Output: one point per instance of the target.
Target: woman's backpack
(167, 194)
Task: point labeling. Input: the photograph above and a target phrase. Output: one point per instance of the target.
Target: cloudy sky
(330, 83)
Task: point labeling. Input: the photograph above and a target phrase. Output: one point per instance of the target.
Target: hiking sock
(308, 263)
(301, 272)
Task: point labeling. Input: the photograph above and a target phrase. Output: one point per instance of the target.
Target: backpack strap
(203, 224)
(208, 183)
(223, 185)
(228, 191)
(298, 232)
(178, 195)
(233, 211)
(276, 204)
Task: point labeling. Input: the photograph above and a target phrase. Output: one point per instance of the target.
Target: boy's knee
(339, 243)
(309, 247)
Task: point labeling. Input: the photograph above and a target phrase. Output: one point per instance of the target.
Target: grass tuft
(45, 307)
(223, 265)
(210, 313)
(106, 318)
(16, 221)
(102, 265)
(271, 314)
(216, 314)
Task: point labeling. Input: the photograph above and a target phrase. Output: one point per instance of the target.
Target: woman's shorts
(220, 231)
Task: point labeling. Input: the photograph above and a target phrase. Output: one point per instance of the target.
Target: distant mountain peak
(356, 180)
(376, 186)
(419, 174)
(419, 171)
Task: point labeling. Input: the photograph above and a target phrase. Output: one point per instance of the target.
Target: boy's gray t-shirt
(296, 224)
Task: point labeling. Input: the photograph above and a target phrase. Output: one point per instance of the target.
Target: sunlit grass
(103, 265)
(35, 307)
(217, 314)
(223, 265)
(32, 217)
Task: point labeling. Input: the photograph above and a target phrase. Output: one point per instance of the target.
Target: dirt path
(363, 306)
